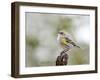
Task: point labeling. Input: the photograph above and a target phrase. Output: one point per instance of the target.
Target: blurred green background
(42, 48)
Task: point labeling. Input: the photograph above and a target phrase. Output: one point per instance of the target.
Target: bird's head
(61, 33)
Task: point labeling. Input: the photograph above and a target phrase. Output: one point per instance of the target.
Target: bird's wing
(70, 41)
(63, 40)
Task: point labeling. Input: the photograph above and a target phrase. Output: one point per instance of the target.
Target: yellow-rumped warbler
(65, 40)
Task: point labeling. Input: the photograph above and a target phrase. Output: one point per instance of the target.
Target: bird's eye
(61, 32)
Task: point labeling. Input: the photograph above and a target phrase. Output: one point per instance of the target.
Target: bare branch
(62, 59)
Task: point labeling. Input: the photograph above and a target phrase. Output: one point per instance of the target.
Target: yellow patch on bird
(63, 41)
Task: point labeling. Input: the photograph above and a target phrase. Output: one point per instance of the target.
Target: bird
(65, 41)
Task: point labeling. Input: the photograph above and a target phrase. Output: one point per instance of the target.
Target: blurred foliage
(79, 56)
(32, 41)
(44, 28)
(63, 23)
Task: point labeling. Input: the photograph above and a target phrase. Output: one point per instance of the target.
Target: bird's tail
(77, 46)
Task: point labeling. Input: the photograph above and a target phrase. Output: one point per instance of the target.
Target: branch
(62, 59)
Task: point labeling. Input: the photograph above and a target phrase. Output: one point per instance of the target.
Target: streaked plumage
(65, 41)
